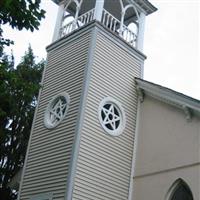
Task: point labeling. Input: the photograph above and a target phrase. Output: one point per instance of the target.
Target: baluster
(114, 27)
(84, 20)
(81, 20)
(88, 18)
(135, 39)
(126, 34)
(104, 16)
(130, 36)
(91, 15)
(68, 28)
(122, 33)
(71, 27)
(65, 30)
(108, 18)
(111, 23)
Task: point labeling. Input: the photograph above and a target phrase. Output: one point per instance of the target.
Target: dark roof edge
(146, 5)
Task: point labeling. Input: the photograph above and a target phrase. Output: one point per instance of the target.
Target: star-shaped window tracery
(110, 117)
(57, 111)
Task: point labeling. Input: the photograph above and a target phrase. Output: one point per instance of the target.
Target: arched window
(180, 191)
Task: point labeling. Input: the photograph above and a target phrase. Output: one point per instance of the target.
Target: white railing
(86, 18)
(129, 36)
(114, 25)
(66, 29)
(107, 20)
(75, 24)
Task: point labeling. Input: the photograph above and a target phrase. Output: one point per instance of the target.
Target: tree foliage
(19, 14)
(19, 88)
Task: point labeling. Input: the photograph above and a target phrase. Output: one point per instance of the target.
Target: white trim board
(169, 96)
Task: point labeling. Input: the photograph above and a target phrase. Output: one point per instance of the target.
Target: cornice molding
(145, 5)
(189, 105)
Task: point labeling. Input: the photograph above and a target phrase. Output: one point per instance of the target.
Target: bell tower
(82, 137)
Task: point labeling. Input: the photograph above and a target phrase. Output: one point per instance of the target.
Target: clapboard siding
(104, 162)
(49, 152)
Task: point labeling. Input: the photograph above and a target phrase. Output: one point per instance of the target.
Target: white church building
(101, 132)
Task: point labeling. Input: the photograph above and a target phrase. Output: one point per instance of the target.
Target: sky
(171, 43)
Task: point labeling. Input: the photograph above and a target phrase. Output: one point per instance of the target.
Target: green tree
(19, 88)
(19, 14)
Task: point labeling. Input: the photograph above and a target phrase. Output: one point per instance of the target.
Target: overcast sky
(171, 43)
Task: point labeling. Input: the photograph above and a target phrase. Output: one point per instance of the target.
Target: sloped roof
(188, 104)
(144, 4)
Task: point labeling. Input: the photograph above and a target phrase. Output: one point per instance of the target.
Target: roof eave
(146, 5)
(168, 96)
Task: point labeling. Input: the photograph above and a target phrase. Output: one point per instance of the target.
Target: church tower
(82, 137)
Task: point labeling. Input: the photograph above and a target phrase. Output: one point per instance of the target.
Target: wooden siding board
(38, 137)
(100, 189)
(39, 167)
(108, 173)
(49, 154)
(91, 140)
(53, 153)
(97, 175)
(38, 143)
(48, 84)
(57, 191)
(62, 167)
(103, 158)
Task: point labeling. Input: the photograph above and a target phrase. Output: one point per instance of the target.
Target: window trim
(119, 130)
(175, 186)
(47, 121)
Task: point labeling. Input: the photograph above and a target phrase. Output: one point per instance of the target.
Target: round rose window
(111, 116)
(56, 110)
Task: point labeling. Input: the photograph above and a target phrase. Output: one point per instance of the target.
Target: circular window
(56, 110)
(111, 116)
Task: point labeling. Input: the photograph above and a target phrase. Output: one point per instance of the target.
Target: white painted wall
(168, 149)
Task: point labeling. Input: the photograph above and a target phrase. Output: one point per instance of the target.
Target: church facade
(100, 132)
(167, 145)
